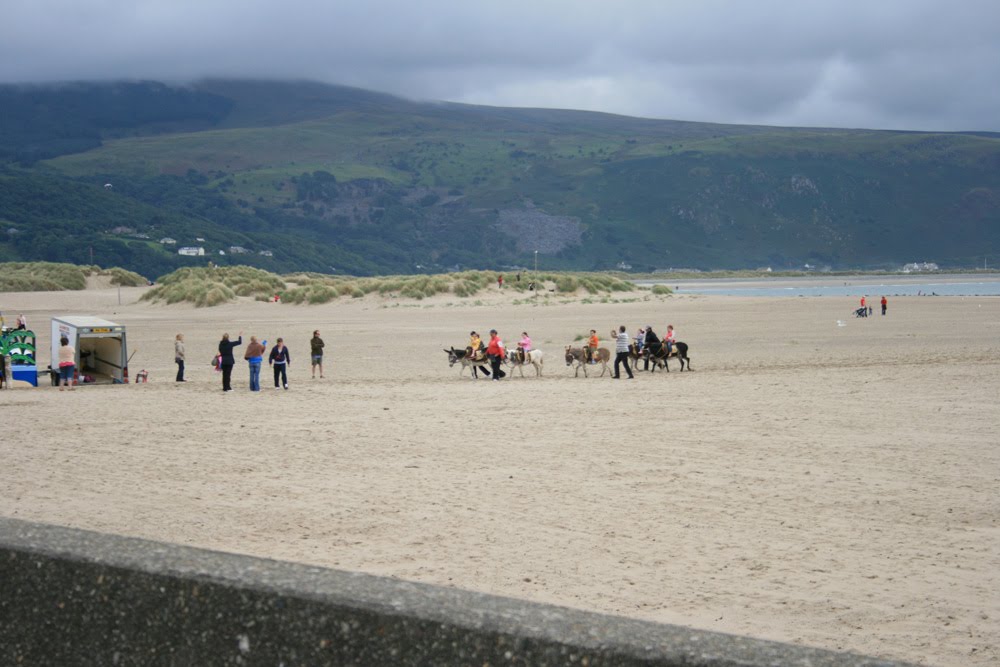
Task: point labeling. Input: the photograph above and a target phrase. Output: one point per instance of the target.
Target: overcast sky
(895, 64)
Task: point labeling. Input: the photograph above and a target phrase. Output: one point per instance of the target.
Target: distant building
(141, 236)
(266, 253)
(624, 266)
(918, 267)
(107, 186)
(166, 240)
(122, 230)
(199, 239)
(237, 250)
(191, 251)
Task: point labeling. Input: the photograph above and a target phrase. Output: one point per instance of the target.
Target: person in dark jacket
(651, 345)
(280, 359)
(316, 346)
(227, 361)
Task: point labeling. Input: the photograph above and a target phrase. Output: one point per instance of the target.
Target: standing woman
(179, 356)
(255, 357)
(496, 353)
(226, 361)
(280, 359)
(67, 363)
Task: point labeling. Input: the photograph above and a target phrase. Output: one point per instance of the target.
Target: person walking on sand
(885, 305)
(226, 360)
(280, 359)
(496, 354)
(500, 281)
(621, 351)
(67, 363)
(255, 357)
(316, 346)
(179, 356)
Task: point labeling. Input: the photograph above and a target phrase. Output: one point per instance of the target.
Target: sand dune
(833, 486)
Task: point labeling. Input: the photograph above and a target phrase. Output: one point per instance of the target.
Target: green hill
(327, 178)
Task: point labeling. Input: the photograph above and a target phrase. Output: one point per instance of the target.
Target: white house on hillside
(191, 251)
(166, 240)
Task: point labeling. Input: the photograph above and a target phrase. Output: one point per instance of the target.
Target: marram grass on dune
(211, 286)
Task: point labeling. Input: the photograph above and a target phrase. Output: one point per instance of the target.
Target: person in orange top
(885, 304)
(496, 353)
(592, 345)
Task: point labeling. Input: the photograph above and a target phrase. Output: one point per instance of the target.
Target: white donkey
(533, 357)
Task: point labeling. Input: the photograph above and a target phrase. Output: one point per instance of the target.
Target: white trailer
(101, 348)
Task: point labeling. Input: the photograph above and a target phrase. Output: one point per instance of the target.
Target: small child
(475, 345)
(524, 346)
(592, 345)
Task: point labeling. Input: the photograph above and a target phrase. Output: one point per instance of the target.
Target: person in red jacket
(496, 354)
(885, 304)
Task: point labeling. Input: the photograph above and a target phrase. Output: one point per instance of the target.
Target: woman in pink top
(67, 363)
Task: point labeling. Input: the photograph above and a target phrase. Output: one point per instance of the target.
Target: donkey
(462, 357)
(659, 356)
(575, 355)
(533, 357)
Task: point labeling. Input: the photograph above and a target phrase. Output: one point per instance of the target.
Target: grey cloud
(917, 64)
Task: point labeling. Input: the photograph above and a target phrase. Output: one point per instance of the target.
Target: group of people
(279, 359)
(645, 340)
(866, 309)
(495, 352)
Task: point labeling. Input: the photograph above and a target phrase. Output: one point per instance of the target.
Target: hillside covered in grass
(310, 177)
(49, 276)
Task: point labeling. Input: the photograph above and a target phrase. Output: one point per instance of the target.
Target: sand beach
(834, 486)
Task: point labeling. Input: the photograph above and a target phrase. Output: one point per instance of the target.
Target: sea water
(938, 284)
